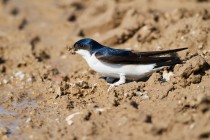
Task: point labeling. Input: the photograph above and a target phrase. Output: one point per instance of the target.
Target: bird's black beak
(71, 49)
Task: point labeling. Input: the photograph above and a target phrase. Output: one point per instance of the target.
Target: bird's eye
(81, 46)
(76, 46)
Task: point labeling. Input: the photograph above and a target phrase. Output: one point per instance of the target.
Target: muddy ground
(47, 93)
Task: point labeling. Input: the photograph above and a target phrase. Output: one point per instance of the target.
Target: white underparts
(130, 71)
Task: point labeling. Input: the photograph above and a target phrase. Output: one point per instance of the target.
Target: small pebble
(20, 75)
(28, 120)
(5, 81)
(167, 75)
(144, 94)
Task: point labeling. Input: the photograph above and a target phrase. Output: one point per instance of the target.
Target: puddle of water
(5, 112)
(11, 125)
(25, 103)
(9, 121)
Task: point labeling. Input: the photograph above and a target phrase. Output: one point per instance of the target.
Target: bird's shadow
(2, 61)
(127, 81)
(144, 79)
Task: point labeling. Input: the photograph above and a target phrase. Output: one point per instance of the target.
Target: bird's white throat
(84, 53)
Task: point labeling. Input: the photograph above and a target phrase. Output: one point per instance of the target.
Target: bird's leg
(121, 81)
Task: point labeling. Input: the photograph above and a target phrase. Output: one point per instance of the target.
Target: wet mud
(47, 93)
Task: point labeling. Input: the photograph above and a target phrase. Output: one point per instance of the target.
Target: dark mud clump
(47, 93)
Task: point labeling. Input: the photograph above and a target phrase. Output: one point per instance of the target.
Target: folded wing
(117, 56)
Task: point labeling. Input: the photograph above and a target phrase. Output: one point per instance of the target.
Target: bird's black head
(87, 44)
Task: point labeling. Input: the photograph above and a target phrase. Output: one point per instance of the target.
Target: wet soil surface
(47, 93)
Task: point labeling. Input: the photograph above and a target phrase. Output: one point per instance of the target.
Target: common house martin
(123, 64)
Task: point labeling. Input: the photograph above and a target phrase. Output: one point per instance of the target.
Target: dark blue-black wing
(118, 56)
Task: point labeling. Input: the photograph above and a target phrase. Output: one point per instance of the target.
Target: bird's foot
(110, 87)
(121, 81)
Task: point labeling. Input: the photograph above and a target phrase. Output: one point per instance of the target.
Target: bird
(123, 64)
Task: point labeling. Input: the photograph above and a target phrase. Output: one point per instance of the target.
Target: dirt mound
(47, 93)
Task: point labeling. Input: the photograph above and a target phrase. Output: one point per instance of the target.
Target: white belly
(132, 72)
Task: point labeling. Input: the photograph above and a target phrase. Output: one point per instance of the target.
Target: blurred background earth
(47, 93)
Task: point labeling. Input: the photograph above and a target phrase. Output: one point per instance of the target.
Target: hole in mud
(45, 76)
(202, 71)
(158, 130)
(148, 119)
(70, 105)
(5, 1)
(81, 33)
(14, 12)
(204, 110)
(2, 69)
(21, 65)
(2, 60)
(87, 116)
(72, 18)
(66, 78)
(206, 15)
(205, 135)
(41, 56)
(77, 6)
(55, 71)
(134, 104)
(75, 138)
(23, 24)
(202, 0)
(156, 18)
(116, 103)
(34, 41)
